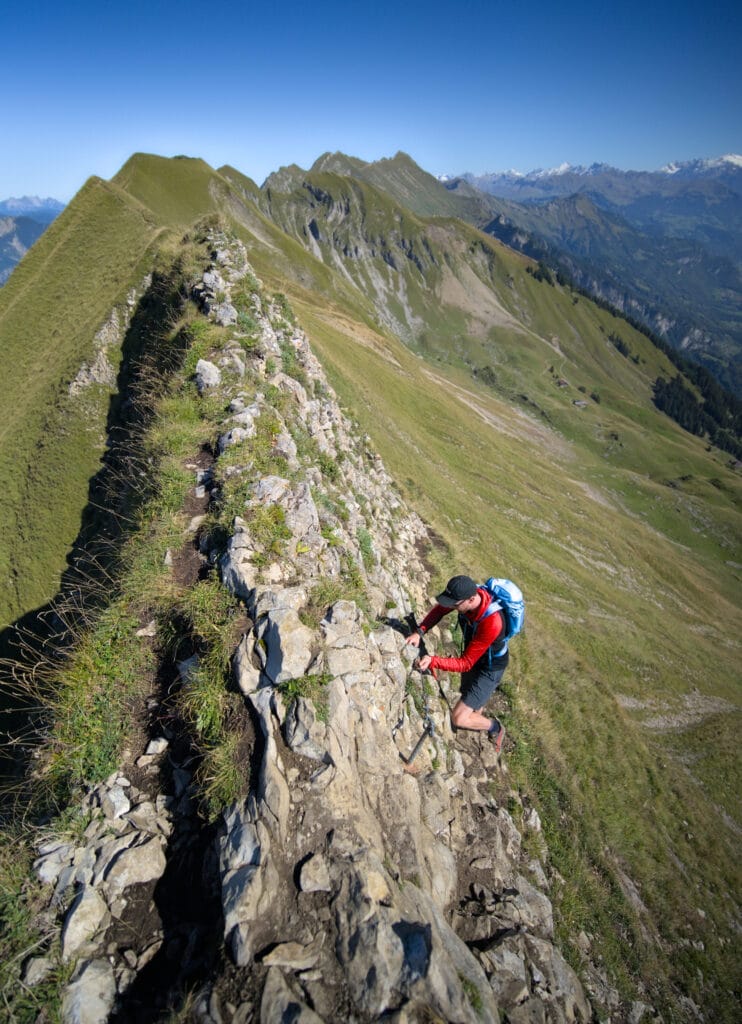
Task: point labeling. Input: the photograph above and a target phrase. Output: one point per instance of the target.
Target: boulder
(49, 866)
(86, 916)
(304, 733)
(37, 970)
(224, 313)
(115, 802)
(207, 376)
(247, 674)
(281, 1004)
(314, 875)
(90, 997)
(289, 645)
(399, 947)
(239, 573)
(142, 863)
(235, 436)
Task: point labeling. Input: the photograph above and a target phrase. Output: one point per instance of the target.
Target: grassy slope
(50, 310)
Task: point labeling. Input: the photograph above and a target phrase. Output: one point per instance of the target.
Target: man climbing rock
(483, 660)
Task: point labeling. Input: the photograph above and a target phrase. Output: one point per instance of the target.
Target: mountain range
(42, 210)
(665, 247)
(619, 185)
(518, 420)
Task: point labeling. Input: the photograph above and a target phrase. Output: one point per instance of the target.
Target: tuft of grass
(268, 527)
(206, 618)
(203, 703)
(284, 308)
(365, 543)
(472, 993)
(23, 936)
(321, 597)
(92, 701)
(211, 612)
(224, 775)
(312, 688)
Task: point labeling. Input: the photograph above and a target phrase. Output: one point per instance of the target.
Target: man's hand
(414, 639)
(422, 663)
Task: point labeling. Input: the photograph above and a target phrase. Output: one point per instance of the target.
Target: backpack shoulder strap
(492, 607)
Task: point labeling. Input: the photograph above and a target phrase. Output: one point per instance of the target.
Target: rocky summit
(347, 884)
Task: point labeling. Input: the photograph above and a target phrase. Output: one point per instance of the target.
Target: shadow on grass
(37, 642)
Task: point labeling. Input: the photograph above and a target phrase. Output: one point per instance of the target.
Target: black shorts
(478, 684)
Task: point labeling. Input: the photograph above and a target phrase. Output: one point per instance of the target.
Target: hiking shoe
(496, 738)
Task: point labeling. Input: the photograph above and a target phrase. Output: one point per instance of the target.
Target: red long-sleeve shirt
(486, 634)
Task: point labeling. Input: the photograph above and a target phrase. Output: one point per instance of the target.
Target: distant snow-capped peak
(710, 166)
(31, 201)
(538, 174)
(700, 166)
(563, 168)
(29, 204)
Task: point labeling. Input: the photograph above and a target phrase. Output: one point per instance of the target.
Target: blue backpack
(508, 599)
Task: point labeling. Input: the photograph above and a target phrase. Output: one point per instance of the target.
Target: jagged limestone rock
(559, 987)
(225, 314)
(37, 970)
(280, 1003)
(314, 876)
(272, 789)
(86, 916)
(247, 674)
(288, 644)
(207, 375)
(304, 733)
(107, 852)
(90, 997)
(296, 955)
(401, 946)
(236, 435)
(115, 802)
(239, 573)
(55, 857)
(144, 818)
(142, 863)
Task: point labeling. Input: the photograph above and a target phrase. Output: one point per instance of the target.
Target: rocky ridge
(345, 888)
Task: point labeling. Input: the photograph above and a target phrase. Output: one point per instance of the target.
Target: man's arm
(486, 634)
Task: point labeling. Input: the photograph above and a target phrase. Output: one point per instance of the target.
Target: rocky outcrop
(350, 888)
(101, 370)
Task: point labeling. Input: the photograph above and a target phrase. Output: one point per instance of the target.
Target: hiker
(483, 660)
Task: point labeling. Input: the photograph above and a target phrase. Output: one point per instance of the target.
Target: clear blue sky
(458, 85)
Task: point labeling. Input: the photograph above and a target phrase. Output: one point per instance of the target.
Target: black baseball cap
(458, 588)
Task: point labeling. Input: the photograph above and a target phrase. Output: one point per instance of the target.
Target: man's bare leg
(464, 717)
